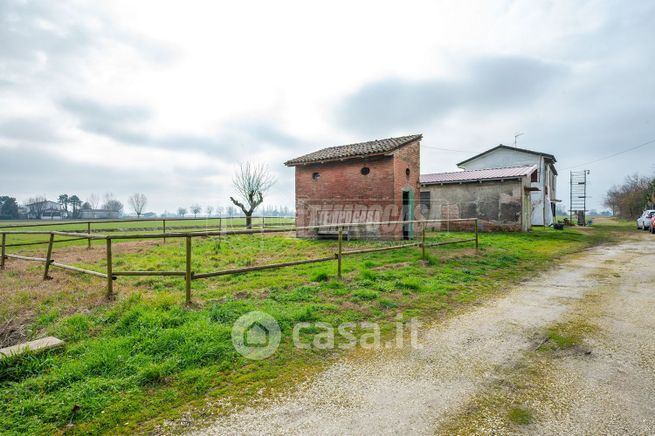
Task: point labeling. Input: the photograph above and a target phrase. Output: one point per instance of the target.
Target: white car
(643, 222)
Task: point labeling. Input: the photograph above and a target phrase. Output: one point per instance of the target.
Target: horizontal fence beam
(281, 230)
(372, 250)
(457, 241)
(148, 273)
(135, 220)
(225, 232)
(45, 242)
(263, 267)
(57, 233)
(200, 234)
(76, 269)
(17, 256)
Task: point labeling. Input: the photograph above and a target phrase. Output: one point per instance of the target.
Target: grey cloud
(65, 33)
(127, 124)
(28, 129)
(499, 83)
(234, 140)
(120, 122)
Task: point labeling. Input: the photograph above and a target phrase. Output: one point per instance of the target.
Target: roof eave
(294, 162)
(338, 159)
(460, 182)
(546, 155)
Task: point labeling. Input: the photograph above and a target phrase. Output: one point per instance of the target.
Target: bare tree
(219, 210)
(37, 205)
(629, 199)
(138, 203)
(195, 209)
(181, 211)
(209, 210)
(111, 203)
(250, 182)
(93, 200)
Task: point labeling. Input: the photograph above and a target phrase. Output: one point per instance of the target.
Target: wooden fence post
(48, 257)
(88, 230)
(477, 242)
(110, 278)
(187, 275)
(423, 242)
(164, 227)
(2, 253)
(220, 229)
(339, 253)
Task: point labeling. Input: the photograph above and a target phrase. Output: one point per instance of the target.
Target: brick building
(365, 182)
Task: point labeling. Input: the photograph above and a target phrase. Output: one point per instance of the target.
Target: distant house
(544, 187)
(47, 210)
(99, 214)
(369, 181)
(500, 197)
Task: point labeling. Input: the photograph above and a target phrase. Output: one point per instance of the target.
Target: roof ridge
(524, 150)
(354, 150)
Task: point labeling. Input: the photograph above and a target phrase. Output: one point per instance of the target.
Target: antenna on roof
(516, 137)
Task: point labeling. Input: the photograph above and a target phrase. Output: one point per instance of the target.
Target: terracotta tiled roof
(361, 149)
(477, 175)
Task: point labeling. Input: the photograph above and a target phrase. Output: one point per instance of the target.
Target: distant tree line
(630, 199)
(8, 208)
(250, 182)
(67, 206)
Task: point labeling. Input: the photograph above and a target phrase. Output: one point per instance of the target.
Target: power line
(613, 155)
(449, 149)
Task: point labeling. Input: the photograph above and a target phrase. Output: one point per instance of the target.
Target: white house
(45, 210)
(543, 184)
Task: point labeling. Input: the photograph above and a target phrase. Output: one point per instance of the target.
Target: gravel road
(417, 391)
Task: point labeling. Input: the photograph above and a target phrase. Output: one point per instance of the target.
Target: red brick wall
(342, 194)
(407, 157)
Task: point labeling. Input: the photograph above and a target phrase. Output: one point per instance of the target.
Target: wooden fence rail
(189, 275)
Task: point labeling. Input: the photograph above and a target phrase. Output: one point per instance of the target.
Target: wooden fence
(189, 275)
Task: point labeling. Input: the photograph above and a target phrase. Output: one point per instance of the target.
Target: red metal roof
(477, 175)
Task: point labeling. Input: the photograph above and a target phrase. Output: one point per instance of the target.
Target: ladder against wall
(578, 208)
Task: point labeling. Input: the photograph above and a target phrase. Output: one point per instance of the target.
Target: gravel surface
(613, 392)
(415, 391)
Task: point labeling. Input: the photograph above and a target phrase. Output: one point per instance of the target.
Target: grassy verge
(133, 363)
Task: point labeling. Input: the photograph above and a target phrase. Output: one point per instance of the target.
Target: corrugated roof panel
(476, 175)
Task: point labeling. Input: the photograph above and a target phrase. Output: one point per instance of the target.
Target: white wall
(503, 157)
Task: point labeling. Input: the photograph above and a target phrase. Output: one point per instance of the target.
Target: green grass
(125, 228)
(144, 358)
(520, 416)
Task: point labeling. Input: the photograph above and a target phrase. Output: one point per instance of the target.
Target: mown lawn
(132, 363)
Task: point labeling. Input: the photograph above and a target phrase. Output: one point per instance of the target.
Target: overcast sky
(166, 98)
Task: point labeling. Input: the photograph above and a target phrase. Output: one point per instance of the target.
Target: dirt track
(445, 386)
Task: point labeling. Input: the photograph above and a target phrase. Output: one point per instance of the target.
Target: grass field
(144, 358)
(127, 227)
